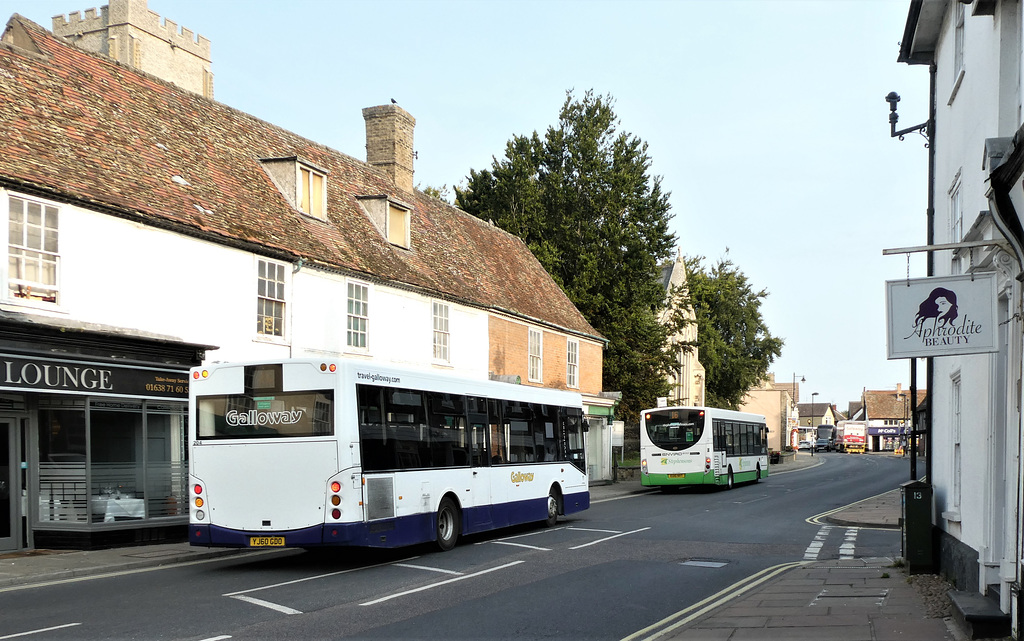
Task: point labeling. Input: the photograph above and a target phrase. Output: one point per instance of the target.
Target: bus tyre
(552, 508)
(730, 483)
(448, 524)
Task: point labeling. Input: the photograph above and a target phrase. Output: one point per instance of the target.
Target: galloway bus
(701, 446)
(308, 453)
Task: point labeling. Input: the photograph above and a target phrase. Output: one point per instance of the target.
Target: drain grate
(705, 563)
(851, 597)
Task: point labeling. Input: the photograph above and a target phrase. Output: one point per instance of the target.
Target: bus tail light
(707, 464)
(335, 499)
(198, 501)
(643, 466)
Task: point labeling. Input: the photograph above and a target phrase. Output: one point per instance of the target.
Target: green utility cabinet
(917, 527)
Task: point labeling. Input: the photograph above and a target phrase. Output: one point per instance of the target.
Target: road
(606, 573)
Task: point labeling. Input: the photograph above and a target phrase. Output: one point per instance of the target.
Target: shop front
(93, 437)
(886, 439)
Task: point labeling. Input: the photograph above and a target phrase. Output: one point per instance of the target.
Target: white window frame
(271, 288)
(956, 214)
(572, 363)
(49, 256)
(956, 221)
(955, 415)
(441, 317)
(535, 351)
(959, 17)
(305, 182)
(357, 316)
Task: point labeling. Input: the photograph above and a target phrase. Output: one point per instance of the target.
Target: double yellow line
(697, 610)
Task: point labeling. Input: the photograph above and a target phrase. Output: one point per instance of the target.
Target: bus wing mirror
(586, 425)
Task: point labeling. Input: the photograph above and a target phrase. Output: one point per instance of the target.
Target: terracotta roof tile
(882, 404)
(82, 127)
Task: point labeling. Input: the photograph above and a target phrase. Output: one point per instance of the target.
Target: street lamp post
(796, 407)
(814, 432)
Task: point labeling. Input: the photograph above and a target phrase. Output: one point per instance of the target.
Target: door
(479, 517)
(10, 488)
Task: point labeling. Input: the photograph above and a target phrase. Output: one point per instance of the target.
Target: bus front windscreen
(266, 415)
(674, 429)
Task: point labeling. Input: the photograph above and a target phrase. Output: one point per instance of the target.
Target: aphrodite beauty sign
(941, 316)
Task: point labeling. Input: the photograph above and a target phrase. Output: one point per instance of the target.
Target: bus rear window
(673, 429)
(267, 415)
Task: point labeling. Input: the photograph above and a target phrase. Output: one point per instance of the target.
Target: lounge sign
(50, 375)
(941, 316)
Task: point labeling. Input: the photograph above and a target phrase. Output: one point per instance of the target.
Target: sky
(765, 119)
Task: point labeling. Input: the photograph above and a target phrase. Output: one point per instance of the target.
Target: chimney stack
(389, 142)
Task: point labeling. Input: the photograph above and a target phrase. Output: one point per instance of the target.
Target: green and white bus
(701, 446)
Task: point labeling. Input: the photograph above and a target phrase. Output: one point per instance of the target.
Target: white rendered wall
(985, 105)
(130, 276)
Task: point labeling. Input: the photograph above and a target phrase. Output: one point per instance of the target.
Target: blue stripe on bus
(390, 533)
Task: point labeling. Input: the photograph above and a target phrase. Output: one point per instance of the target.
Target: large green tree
(583, 200)
(733, 342)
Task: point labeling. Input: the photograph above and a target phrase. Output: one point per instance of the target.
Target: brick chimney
(389, 142)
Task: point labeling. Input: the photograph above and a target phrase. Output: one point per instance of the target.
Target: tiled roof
(882, 404)
(813, 409)
(83, 128)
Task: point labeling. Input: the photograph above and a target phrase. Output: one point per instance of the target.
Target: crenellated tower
(129, 32)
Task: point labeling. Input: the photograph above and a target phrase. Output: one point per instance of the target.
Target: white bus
(306, 453)
(701, 446)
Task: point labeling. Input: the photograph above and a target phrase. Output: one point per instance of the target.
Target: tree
(583, 201)
(440, 193)
(734, 344)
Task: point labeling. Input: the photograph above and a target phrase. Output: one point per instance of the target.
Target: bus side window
(372, 436)
(447, 433)
(521, 441)
(499, 430)
(478, 425)
(571, 437)
(719, 434)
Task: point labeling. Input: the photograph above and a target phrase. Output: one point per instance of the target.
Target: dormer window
(303, 184)
(391, 217)
(398, 225)
(312, 191)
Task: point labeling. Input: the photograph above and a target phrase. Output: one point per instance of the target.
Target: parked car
(823, 445)
(804, 445)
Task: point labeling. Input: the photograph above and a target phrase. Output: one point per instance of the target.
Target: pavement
(865, 599)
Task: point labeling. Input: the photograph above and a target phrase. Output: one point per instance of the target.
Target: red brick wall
(509, 356)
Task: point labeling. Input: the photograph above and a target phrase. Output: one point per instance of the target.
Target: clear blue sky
(765, 119)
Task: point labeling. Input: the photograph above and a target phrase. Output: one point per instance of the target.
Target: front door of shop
(10, 492)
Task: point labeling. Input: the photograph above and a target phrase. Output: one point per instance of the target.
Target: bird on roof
(394, 102)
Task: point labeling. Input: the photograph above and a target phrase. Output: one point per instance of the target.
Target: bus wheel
(731, 483)
(447, 524)
(552, 508)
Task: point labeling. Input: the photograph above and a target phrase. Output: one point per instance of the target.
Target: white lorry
(854, 436)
